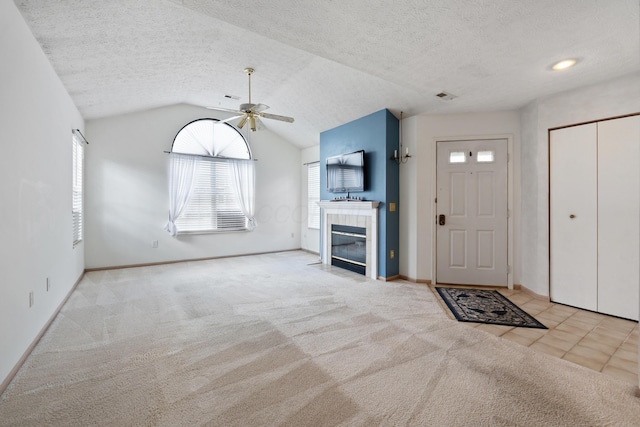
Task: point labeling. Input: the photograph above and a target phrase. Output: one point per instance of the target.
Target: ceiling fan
(251, 112)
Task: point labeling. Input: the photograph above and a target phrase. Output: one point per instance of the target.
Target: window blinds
(213, 205)
(313, 195)
(77, 190)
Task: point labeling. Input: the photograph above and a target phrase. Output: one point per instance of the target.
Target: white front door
(471, 236)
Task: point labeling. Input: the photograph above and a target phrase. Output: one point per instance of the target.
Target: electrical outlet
(30, 299)
(154, 243)
(48, 284)
(392, 254)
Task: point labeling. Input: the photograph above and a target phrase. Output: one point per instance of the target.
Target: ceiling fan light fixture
(564, 64)
(250, 111)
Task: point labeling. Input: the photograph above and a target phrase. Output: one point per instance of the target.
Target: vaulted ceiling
(329, 62)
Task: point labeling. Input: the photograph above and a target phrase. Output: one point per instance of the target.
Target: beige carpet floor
(279, 340)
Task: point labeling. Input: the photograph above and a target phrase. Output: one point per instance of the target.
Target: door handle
(441, 219)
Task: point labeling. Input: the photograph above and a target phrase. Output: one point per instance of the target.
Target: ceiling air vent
(445, 96)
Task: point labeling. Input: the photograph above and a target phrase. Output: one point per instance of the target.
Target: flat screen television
(345, 173)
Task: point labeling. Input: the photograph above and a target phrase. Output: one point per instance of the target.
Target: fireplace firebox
(349, 247)
(363, 213)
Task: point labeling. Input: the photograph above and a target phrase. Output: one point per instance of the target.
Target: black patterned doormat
(484, 306)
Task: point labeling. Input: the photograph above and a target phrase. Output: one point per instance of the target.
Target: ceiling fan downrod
(249, 71)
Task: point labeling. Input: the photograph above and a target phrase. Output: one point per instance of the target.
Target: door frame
(434, 189)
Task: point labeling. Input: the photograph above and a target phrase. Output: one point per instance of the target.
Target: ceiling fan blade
(276, 117)
(228, 119)
(243, 121)
(259, 107)
(247, 108)
(226, 110)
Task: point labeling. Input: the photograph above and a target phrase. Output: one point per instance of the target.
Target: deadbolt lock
(441, 219)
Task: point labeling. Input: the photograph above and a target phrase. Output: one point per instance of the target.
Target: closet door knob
(572, 216)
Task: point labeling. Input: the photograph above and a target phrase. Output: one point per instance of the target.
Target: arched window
(211, 179)
(209, 137)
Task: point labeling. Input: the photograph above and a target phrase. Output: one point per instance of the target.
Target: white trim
(510, 184)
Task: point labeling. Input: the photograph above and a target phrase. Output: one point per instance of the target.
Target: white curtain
(183, 169)
(244, 186)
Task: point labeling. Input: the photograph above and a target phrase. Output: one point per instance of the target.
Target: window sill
(195, 232)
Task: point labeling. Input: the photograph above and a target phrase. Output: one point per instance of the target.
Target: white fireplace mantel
(348, 205)
(349, 210)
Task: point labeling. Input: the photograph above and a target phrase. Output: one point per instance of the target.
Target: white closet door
(573, 216)
(618, 213)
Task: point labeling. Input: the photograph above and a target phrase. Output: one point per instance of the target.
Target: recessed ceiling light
(564, 64)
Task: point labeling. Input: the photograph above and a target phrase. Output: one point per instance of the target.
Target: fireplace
(361, 219)
(349, 247)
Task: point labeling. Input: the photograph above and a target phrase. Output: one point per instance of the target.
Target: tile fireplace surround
(356, 214)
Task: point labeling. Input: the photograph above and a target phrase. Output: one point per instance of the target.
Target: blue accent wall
(377, 135)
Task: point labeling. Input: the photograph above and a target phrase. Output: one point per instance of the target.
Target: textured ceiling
(329, 62)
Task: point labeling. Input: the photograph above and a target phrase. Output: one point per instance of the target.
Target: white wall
(36, 118)
(127, 197)
(410, 194)
(309, 237)
(417, 207)
(609, 99)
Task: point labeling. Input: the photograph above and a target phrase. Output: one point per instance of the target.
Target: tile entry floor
(603, 343)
